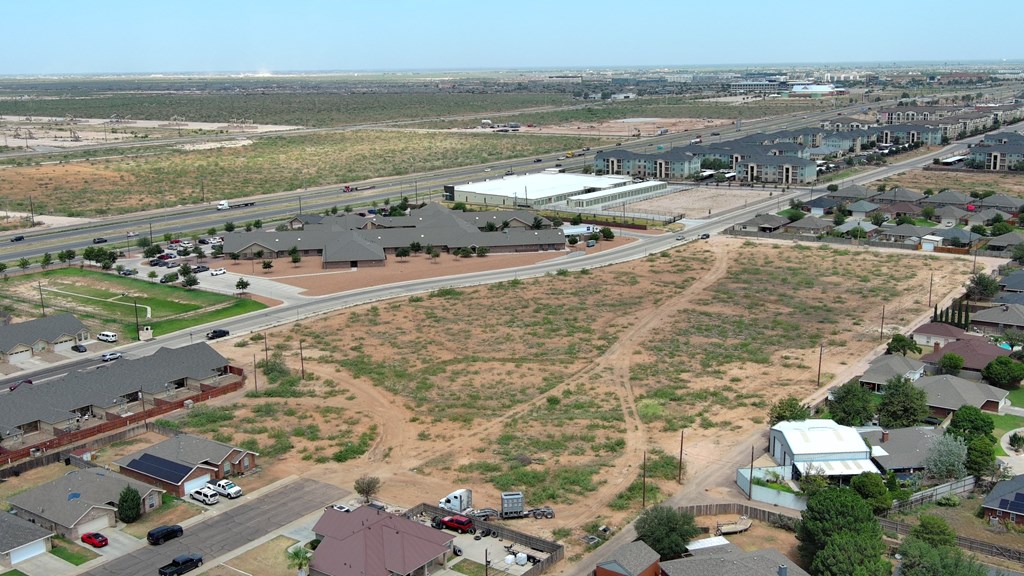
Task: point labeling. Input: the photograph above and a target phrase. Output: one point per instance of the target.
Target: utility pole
(881, 329)
(930, 280)
(679, 478)
(821, 353)
(750, 485)
(255, 379)
(643, 505)
(32, 210)
(138, 332)
(41, 303)
(302, 361)
(266, 348)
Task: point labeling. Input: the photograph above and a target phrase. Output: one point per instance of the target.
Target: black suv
(218, 333)
(161, 534)
(17, 238)
(182, 564)
(99, 240)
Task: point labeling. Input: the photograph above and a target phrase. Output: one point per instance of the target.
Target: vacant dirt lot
(1009, 184)
(632, 126)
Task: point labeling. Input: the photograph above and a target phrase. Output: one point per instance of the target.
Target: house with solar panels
(81, 501)
(184, 463)
(1005, 502)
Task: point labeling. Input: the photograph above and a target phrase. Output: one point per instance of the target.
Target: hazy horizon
(193, 37)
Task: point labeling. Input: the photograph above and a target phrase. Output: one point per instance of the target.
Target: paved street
(231, 529)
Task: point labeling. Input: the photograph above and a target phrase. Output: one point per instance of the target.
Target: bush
(950, 501)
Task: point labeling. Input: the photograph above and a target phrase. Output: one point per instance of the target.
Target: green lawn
(1017, 397)
(71, 552)
(1004, 423)
(14, 572)
(97, 299)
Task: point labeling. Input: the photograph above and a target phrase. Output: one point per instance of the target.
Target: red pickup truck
(459, 523)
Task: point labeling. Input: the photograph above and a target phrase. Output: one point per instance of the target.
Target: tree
(666, 530)
(1000, 228)
(235, 256)
(577, 219)
(839, 219)
(969, 422)
(3, 270)
(832, 187)
(606, 233)
(951, 363)
(788, 408)
(152, 275)
(199, 253)
(404, 252)
(267, 265)
(185, 270)
(229, 226)
(296, 258)
(979, 229)
(258, 254)
(129, 505)
(46, 260)
(828, 513)
(920, 558)
(902, 404)
(1004, 372)
(928, 212)
(482, 251)
(242, 285)
(143, 242)
(189, 281)
(367, 486)
(1017, 253)
(877, 218)
(152, 251)
(416, 247)
(66, 256)
(934, 531)
(852, 554)
(982, 287)
(24, 263)
(901, 344)
(537, 223)
(299, 558)
(873, 490)
(852, 405)
(1013, 337)
(945, 458)
(211, 231)
(981, 456)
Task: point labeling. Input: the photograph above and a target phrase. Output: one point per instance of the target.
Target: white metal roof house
(819, 445)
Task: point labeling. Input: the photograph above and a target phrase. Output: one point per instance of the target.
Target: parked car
(95, 539)
(705, 236)
(156, 262)
(129, 272)
(339, 508)
(205, 495)
(168, 278)
(181, 564)
(161, 534)
(110, 356)
(79, 348)
(166, 256)
(99, 240)
(200, 268)
(17, 238)
(459, 523)
(218, 272)
(217, 333)
(170, 265)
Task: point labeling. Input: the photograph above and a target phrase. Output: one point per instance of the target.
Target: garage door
(27, 551)
(63, 344)
(95, 525)
(197, 483)
(22, 356)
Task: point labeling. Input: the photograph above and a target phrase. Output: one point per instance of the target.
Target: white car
(132, 234)
(218, 272)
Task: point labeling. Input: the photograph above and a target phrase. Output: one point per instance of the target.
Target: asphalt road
(230, 529)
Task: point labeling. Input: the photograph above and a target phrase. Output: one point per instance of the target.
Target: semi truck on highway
(226, 205)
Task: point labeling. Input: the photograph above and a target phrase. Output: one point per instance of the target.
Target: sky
(172, 36)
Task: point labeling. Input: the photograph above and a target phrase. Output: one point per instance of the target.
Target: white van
(107, 336)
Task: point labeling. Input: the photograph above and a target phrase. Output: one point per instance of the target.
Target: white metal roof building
(822, 445)
(530, 190)
(599, 197)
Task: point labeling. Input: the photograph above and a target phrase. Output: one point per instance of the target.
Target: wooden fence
(968, 544)
(555, 551)
(115, 422)
(780, 517)
(930, 495)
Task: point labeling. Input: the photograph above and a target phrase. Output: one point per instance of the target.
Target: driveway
(230, 529)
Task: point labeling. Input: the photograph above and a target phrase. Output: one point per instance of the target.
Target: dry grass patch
(28, 480)
(267, 559)
(966, 182)
(172, 511)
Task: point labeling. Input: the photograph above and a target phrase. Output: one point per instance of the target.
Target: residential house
(976, 351)
(889, 366)
(731, 561)
(1012, 282)
(369, 542)
(820, 446)
(1005, 502)
(21, 540)
(997, 319)
(956, 237)
(76, 401)
(862, 209)
(808, 226)
(81, 501)
(633, 559)
(904, 233)
(897, 195)
(852, 193)
(57, 333)
(949, 216)
(1004, 242)
(766, 223)
(901, 451)
(987, 217)
(946, 198)
(947, 394)
(1009, 298)
(866, 226)
(897, 209)
(1008, 204)
(820, 206)
(185, 462)
(936, 334)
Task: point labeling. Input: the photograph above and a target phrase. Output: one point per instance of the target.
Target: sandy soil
(267, 559)
(631, 126)
(702, 201)
(758, 537)
(44, 220)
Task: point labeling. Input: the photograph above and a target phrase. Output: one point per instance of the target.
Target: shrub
(950, 500)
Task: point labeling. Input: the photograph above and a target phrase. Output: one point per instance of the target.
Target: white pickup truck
(226, 488)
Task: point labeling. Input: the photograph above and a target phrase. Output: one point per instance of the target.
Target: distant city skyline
(260, 36)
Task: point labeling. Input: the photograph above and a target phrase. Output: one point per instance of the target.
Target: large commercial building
(536, 190)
